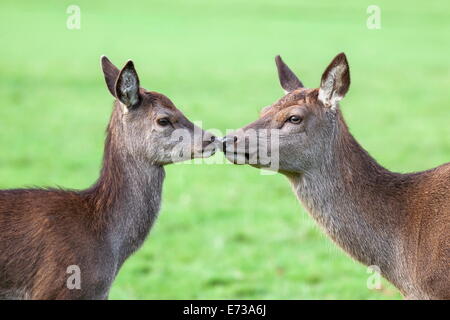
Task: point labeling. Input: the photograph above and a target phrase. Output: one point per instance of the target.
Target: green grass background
(224, 231)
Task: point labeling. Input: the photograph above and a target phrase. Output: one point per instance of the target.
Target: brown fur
(398, 222)
(44, 231)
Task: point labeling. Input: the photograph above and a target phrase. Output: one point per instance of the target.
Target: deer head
(148, 124)
(303, 122)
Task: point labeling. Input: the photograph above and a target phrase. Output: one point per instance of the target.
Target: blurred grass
(224, 231)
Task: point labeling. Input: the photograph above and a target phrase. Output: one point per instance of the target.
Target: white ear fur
(124, 108)
(335, 82)
(328, 94)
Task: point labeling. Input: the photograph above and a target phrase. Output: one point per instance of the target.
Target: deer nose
(209, 139)
(228, 140)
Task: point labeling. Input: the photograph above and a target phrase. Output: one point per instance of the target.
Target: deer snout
(208, 145)
(241, 147)
(227, 141)
(208, 140)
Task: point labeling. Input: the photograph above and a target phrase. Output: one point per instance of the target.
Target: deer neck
(355, 200)
(126, 198)
(133, 215)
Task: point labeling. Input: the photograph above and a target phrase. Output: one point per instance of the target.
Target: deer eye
(163, 122)
(295, 119)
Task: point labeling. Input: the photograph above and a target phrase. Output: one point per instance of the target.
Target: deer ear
(335, 81)
(288, 80)
(111, 73)
(127, 86)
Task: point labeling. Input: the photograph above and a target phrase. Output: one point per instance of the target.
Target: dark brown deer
(44, 233)
(398, 222)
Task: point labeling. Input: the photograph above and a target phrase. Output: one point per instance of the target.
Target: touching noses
(227, 141)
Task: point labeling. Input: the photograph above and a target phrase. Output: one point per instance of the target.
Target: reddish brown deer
(398, 222)
(45, 232)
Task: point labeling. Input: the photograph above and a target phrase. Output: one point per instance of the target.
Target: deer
(48, 234)
(397, 222)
